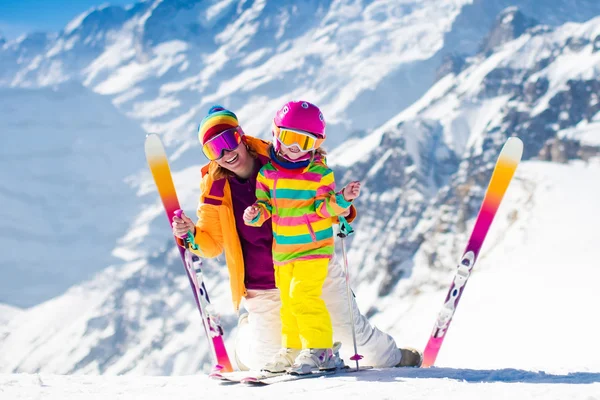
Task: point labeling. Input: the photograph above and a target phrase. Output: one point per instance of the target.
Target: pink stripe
(218, 188)
(323, 209)
(262, 186)
(307, 176)
(295, 221)
(325, 189)
(214, 202)
(325, 213)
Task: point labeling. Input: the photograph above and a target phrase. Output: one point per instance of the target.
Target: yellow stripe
(327, 179)
(284, 183)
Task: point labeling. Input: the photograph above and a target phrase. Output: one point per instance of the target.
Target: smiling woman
(228, 188)
(221, 135)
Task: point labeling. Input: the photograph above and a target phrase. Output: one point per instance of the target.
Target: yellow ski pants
(305, 321)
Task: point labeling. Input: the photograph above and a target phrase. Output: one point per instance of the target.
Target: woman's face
(238, 161)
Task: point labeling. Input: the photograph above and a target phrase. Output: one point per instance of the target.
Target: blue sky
(23, 16)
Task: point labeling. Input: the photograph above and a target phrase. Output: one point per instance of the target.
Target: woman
(227, 189)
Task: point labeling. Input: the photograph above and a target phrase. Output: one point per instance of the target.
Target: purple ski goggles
(227, 140)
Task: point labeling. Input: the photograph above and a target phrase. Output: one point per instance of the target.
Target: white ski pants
(259, 337)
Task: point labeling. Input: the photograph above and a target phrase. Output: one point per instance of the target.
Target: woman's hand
(181, 226)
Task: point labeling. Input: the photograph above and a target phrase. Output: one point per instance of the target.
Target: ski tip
(153, 145)
(153, 138)
(513, 149)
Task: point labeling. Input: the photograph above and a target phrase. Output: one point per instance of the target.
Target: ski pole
(345, 231)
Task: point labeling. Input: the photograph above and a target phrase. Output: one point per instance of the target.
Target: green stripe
(320, 169)
(296, 239)
(324, 250)
(303, 239)
(295, 212)
(266, 204)
(262, 193)
(324, 233)
(295, 194)
(341, 201)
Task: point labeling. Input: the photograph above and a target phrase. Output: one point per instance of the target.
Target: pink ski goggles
(227, 140)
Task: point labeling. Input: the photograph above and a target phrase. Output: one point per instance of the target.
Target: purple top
(256, 242)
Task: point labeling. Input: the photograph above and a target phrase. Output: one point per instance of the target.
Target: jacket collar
(284, 164)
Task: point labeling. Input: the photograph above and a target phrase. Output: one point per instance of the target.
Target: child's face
(293, 153)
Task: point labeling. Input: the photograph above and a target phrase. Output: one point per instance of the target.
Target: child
(297, 190)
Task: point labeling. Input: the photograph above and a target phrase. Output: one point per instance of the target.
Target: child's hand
(250, 213)
(351, 191)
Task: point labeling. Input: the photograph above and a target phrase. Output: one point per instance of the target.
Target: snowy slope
(137, 317)
(413, 384)
(529, 301)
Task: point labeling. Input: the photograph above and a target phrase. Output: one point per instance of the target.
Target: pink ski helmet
(300, 116)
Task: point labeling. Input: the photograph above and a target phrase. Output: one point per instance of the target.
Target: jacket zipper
(310, 229)
(275, 201)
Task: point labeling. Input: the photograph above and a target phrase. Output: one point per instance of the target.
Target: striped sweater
(302, 204)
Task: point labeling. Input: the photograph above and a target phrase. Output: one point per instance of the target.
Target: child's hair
(321, 151)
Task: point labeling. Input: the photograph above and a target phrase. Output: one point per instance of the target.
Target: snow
(413, 384)
(77, 21)
(460, 104)
(525, 326)
(530, 301)
(6, 313)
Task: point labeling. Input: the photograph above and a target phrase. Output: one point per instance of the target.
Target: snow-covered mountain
(165, 61)
(162, 63)
(424, 174)
(64, 198)
(540, 86)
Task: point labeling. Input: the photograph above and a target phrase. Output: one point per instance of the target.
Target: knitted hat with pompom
(217, 120)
